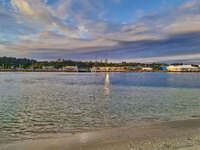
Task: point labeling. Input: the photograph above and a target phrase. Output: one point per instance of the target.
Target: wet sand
(176, 135)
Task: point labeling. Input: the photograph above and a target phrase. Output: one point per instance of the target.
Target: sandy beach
(176, 135)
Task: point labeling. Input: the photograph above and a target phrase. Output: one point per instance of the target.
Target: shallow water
(32, 104)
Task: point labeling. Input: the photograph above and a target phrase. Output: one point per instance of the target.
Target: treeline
(8, 62)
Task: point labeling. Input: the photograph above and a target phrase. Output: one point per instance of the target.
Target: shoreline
(173, 135)
(99, 71)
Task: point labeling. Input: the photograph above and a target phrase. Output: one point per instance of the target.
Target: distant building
(134, 68)
(164, 68)
(147, 69)
(48, 67)
(71, 68)
(109, 69)
(181, 68)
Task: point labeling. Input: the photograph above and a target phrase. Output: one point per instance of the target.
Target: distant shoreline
(172, 135)
(8, 70)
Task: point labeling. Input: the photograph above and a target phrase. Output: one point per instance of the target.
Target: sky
(117, 30)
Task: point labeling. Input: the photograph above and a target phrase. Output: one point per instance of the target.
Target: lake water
(35, 104)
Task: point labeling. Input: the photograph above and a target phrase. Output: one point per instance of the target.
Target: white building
(147, 69)
(180, 68)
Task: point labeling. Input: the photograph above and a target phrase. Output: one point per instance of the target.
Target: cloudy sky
(131, 30)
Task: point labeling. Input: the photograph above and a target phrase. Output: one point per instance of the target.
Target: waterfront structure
(134, 68)
(70, 68)
(182, 68)
(164, 68)
(147, 69)
(48, 67)
(109, 69)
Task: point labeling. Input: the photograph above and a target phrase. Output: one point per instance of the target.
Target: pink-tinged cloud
(38, 29)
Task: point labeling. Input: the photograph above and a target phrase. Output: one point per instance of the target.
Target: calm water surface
(33, 104)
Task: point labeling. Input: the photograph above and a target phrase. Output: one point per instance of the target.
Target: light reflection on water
(107, 84)
(32, 104)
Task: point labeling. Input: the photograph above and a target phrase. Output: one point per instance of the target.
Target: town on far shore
(12, 64)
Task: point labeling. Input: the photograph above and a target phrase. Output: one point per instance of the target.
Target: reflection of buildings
(107, 84)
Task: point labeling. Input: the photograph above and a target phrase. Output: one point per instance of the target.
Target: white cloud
(36, 11)
(62, 27)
